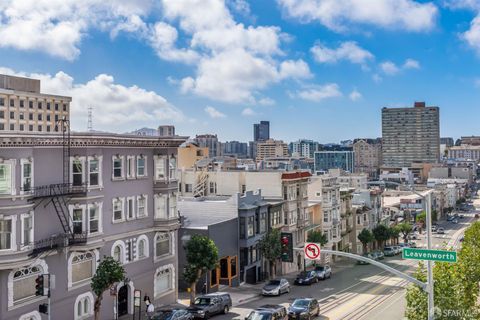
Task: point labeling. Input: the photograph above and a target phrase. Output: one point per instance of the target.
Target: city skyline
(246, 61)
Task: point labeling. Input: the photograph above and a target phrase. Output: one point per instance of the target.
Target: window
(93, 218)
(48, 117)
(160, 206)
(2, 102)
(172, 204)
(118, 209)
(142, 206)
(141, 166)
(164, 280)
(130, 167)
(188, 187)
(242, 228)
(12, 103)
(26, 176)
(172, 167)
(39, 128)
(162, 244)
(30, 104)
(12, 115)
(142, 247)
(27, 229)
(2, 126)
(6, 181)
(263, 222)
(213, 187)
(118, 167)
(12, 126)
(6, 235)
(118, 251)
(22, 127)
(82, 267)
(83, 307)
(77, 220)
(22, 103)
(30, 127)
(130, 208)
(40, 104)
(56, 106)
(77, 172)
(2, 114)
(250, 227)
(160, 167)
(94, 176)
(39, 117)
(34, 315)
(21, 116)
(23, 282)
(64, 107)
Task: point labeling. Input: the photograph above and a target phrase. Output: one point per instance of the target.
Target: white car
(276, 287)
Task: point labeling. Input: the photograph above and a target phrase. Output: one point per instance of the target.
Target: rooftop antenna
(90, 122)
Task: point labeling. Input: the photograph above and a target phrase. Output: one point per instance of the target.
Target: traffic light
(39, 286)
(43, 308)
(286, 240)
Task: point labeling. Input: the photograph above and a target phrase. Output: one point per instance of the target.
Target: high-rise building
(261, 131)
(304, 148)
(271, 149)
(410, 135)
(448, 142)
(235, 148)
(211, 142)
(166, 131)
(368, 156)
(24, 109)
(326, 160)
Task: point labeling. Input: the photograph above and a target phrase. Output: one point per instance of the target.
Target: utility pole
(49, 295)
(430, 286)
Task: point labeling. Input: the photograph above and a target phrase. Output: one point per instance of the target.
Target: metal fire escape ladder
(200, 189)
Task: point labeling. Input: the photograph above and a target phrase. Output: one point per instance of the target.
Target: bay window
(117, 206)
(172, 168)
(130, 208)
(159, 162)
(160, 206)
(172, 205)
(77, 172)
(95, 172)
(6, 233)
(26, 175)
(117, 167)
(130, 167)
(141, 169)
(93, 219)
(6, 181)
(77, 220)
(142, 206)
(162, 244)
(164, 280)
(27, 229)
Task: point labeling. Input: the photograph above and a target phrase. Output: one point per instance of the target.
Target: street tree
(202, 256)
(365, 237)
(405, 228)
(271, 249)
(381, 234)
(317, 237)
(108, 273)
(394, 233)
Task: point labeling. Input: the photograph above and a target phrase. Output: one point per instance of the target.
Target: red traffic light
(285, 240)
(39, 286)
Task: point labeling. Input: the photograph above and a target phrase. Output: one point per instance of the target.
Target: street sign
(432, 255)
(312, 251)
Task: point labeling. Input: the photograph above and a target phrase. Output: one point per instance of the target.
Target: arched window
(34, 315)
(83, 308)
(142, 247)
(81, 267)
(164, 280)
(118, 251)
(21, 283)
(162, 244)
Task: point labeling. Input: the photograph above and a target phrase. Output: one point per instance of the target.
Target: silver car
(323, 272)
(276, 287)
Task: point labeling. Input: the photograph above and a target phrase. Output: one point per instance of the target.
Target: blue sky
(319, 69)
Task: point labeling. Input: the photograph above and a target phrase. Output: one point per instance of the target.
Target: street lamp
(428, 212)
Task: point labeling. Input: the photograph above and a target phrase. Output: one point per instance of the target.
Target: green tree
(421, 218)
(405, 228)
(365, 237)
(202, 256)
(381, 234)
(271, 249)
(317, 237)
(394, 233)
(109, 272)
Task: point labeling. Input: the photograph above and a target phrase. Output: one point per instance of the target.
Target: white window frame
(157, 198)
(123, 250)
(122, 169)
(145, 208)
(100, 179)
(23, 217)
(96, 256)
(80, 299)
(122, 200)
(22, 164)
(99, 206)
(157, 160)
(82, 160)
(171, 237)
(144, 157)
(174, 214)
(131, 165)
(172, 173)
(12, 163)
(133, 213)
(146, 248)
(13, 233)
(82, 207)
(171, 288)
(42, 265)
(31, 315)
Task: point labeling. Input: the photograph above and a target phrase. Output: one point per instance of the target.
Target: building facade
(368, 156)
(467, 152)
(189, 153)
(235, 148)
(261, 131)
(114, 195)
(325, 160)
(209, 141)
(410, 135)
(24, 109)
(166, 131)
(271, 149)
(304, 148)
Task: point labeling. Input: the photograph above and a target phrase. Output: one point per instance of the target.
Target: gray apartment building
(410, 135)
(66, 203)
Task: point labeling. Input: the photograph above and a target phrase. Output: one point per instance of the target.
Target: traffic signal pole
(49, 294)
(430, 286)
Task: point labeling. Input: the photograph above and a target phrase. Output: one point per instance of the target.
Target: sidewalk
(249, 292)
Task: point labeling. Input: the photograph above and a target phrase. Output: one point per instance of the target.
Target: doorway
(123, 301)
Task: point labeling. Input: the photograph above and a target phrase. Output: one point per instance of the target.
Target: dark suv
(268, 312)
(210, 304)
(304, 308)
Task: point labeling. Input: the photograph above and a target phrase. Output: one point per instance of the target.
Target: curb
(246, 300)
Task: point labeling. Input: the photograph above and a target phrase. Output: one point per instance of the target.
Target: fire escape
(58, 195)
(200, 189)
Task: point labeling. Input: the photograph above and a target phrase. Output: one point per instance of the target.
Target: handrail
(57, 189)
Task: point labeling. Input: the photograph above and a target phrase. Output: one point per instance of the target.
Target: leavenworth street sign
(433, 255)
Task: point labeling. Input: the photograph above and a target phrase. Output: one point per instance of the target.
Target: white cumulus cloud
(390, 68)
(340, 15)
(214, 113)
(348, 50)
(248, 112)
(355, 95)
(411, 64)
(321, 92)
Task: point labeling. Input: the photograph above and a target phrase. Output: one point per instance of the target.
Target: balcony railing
(58, 189)
(58, 241)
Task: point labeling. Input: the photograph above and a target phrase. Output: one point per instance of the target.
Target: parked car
(413, 244)
(461, 216)
(441, 230)
(455, 221)
(276, 287)
(404, 245)
(172, 314)
(304, 308)
(450, 218)
(210, 304)
(434, 228)
(268, 312)
(366, 255)
(306, 277)
(397, 249)
(389, 251)
(412, 236)
(323, 272)
(378, 255)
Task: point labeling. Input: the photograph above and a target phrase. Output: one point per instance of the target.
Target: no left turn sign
(312, 251)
